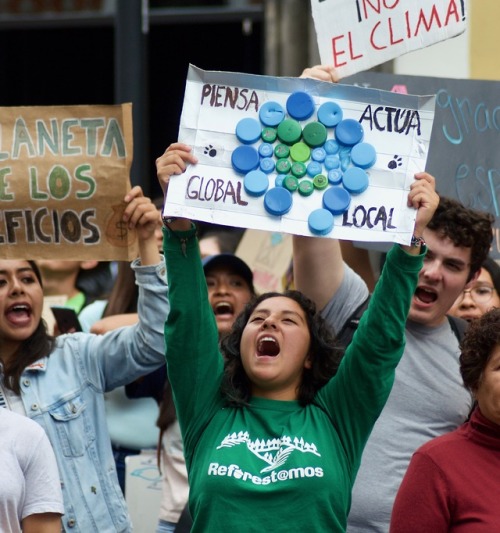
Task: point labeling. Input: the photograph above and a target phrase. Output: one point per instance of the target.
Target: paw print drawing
(210, 150)
(397, 161)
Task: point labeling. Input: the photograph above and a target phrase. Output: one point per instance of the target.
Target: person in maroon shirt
(453, 481)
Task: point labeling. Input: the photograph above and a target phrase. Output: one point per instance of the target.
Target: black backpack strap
(458, 325)
(344, 337)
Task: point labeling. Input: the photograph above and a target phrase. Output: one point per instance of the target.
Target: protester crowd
(260, 417)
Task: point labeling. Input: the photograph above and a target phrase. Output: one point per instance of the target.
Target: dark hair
(464, 227)
(125, 292)
(325, 352)
(39, 344)
(481, 337)
(493, 269)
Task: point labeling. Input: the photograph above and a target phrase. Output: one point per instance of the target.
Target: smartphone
(66, 319)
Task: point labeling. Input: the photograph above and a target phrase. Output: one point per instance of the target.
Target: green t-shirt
(275, 465)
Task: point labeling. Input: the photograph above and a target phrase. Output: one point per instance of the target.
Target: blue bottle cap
(363, 155)
(320, 221)
(244, 159)
(318, 154)
(256, 183)
(248, 130)
(280, 178)
(300, 105)
(267, 165)
(334, 176)
(266, 150)
(336, 199)
(271, 113)
(314, 168)
(331, 147)
(330, 114)
(345, 163)
(349, 132)
(355, 180)
(278, 201)
(331, 161)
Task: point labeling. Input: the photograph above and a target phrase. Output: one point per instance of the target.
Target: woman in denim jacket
(60, 383)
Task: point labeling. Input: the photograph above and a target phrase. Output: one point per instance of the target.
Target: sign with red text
(356, 35)
(299, 168)
(64, 172)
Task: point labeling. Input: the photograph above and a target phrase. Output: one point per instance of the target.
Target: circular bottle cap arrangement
(278, 201)
(334, 176)
(300, 105)
(266, 150)
(281, 151)
(320, 221)
(306, 187)
(291, 183)
(318, 154)
(349, 132)
(300, 152)
(320, 182)
(248, 130)
(330, 114)
(269, 135)
(336, 199)
(256, 183)
(289, 131)
(271, 113)
(244, 159)
(267, 165)
(331, 161)
(363, 155)
(314, 134)
(299, 169)
(355, 180)
(283, 166)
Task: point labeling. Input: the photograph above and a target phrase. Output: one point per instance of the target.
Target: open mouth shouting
(267, 346)
(426, 295)
(19, 314)
(223, 309)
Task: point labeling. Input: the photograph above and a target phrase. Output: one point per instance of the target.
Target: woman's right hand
(174, 160)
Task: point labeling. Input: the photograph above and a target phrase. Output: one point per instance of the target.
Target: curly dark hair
(325, 355)
(39, 345)
(464, 227)
(478, 343)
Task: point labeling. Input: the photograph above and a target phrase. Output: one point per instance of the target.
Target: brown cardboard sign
(64, 171)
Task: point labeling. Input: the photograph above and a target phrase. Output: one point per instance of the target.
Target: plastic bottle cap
(266, 150)
(291, 183)
(330, 114)
(334, 176)
(331, 161)
(280, 178)
(318, 154)
(269, 135)
(314, 168)
(299, 169)
(300, 105)
(289, 131)
(281, 151)
(248, 130)
(336, 200)
(300, 152)
(278, 201)
(345, 163)
(267, 165)
(331, 147)
(320, 221)
(349, 132)
(314, 134)
(363, 155)
(320, 182)
(306, 187)
(355, 180)
(271, 113)
(256, 183)
(244, 159)
(283, 166)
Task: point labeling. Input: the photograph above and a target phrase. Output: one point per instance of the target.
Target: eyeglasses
(481, 294)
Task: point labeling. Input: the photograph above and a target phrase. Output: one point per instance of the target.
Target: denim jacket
(64, 393)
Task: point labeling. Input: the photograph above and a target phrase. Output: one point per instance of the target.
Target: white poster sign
(356, 35)
(300, 156)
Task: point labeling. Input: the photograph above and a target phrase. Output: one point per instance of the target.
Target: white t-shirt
(30, 481)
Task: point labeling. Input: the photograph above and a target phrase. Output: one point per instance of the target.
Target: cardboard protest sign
(463, 152)
(356, 35)
(394, 130)
(64, 172)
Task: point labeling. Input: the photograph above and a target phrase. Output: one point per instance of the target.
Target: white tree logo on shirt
(274, 452)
